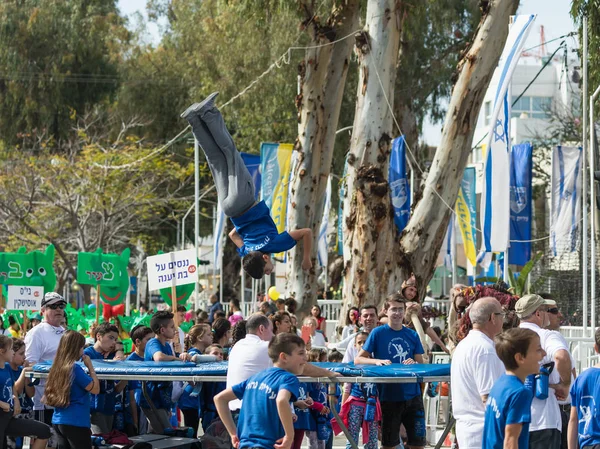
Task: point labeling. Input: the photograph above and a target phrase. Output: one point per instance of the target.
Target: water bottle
(541, 383)
(97, 441)
(370, 409)
(323, 429)
(530, 383)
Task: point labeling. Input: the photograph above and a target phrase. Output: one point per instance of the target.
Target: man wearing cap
(474, 369)
(555, 317)
(546, 423)
(41, 344)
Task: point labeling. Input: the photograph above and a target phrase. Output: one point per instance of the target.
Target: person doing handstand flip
(255, 233)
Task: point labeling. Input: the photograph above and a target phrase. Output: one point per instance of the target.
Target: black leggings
(17, 427)
(192, 419)
(73, 437)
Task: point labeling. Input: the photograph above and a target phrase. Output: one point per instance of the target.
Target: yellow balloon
(273, 293)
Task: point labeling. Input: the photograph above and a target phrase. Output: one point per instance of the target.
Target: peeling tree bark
(322, 78)
(375, 262)
(369, 236)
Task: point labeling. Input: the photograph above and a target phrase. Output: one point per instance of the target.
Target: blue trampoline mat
(220, 369)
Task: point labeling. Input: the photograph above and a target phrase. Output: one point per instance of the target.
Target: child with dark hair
(140, 336)
(584, 423)
(103, 404)
(508, 408)
(255, 233)
(320, 412)
(211, 389)
(22, 388)
(265, 418)
(335, 356)
(158, 349)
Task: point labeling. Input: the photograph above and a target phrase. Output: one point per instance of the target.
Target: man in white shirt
(546, 423)
(474, 369)
(554, 318)
(368, 321)
(41, 344)
(250, 355)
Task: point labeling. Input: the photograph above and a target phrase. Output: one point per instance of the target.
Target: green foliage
(518, 285)
(58, 57)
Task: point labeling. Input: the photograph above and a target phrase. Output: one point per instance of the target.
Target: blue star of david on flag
(499, 135)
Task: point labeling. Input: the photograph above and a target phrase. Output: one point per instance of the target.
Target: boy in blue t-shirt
(158, 349)
(508, 407)
(140, 336)
(265, 419)
(103, 404)
(400, 403)
(584, 423)
(255, 233)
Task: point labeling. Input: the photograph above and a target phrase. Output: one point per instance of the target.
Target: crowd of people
(498, 395)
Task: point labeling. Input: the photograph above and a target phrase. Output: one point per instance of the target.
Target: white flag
(322, 242)
(495, 197)
(218, 237)
(566, 199)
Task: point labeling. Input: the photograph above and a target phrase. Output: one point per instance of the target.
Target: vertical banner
(495, 197)
(521, 165)
(218, 237)
(275, 165)
(400, 194)
(342, 194)
(252, 163)
(466, 214)
(449, 243)
(566, 199)
(322, 242)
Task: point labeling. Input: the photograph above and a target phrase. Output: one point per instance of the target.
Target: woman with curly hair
(282, 323)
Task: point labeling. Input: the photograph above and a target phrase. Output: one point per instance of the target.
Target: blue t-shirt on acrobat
(25, 401)
(259, 232)
(6, 385)
(509, 402)
(386, 343)
(105, 401)
(186, 401)
(159, 392)
(585, 396)
(77, 413)
(259, 424)
(304, 419)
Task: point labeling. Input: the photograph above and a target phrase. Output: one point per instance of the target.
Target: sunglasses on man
(60, 306)
(553, 311)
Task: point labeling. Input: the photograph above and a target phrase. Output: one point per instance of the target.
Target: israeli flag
(322, 242)
(495, 198)
(566, 199)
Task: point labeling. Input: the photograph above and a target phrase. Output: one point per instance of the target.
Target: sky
(552, 14)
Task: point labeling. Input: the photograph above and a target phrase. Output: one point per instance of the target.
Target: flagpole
(593, 208)
(196, 216)
(453, 253)
(584, 208)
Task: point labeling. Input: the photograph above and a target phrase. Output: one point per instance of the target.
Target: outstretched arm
(306, 235)
(235, 237)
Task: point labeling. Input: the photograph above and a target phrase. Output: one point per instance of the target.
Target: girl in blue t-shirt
(22, 388)
(320, 412)
(211, 389)
(68, 390)
(198, 339)
(304, 419)
(10, 406)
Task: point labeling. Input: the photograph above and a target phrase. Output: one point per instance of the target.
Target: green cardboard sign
(29, 269)
(99, 269)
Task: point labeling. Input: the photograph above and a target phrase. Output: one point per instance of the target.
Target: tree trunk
(423, 237)
(375, 263)
(369, 234)
(322, 78)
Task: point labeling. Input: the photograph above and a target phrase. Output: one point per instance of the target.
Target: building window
(534, 107)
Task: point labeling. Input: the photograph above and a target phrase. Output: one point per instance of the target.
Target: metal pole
(584, 267)
(214, 276)
(196, 215)
(593, 209)
(453, 254)
(221, 252)
(412, 187)
(243, 295)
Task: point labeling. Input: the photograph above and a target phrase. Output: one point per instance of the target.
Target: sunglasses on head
(60, 306)
(553, 311)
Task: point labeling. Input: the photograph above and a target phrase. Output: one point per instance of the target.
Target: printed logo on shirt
(258, 246)
(7, 392)
(370, 389)
(398, 348)
(494, 406)
(262, 387)
(587, 410)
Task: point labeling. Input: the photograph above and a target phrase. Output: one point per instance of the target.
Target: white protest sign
(176, 268)
(24, 298)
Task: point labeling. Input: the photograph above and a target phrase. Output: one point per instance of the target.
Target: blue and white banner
(566, 199)
(342, 191)
(252, 163)
(399, 191)
(322, 248)
(521, 165)
(450, 243)
(495, 197)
